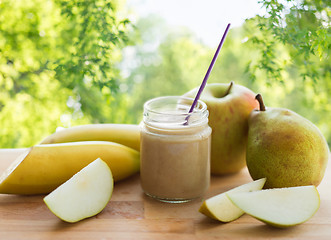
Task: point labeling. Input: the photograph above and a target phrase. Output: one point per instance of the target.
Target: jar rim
(158, 111)
(200, 106)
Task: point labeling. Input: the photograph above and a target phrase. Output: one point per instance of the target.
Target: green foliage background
(57, 66)
(64, 63)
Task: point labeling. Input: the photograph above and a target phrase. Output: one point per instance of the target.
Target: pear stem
(229, 89)
(258, 97)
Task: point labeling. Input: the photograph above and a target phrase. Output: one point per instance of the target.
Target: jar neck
(172, 113)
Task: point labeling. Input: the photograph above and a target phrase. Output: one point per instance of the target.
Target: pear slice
(222, 209)
(279, 207)
(83, 195)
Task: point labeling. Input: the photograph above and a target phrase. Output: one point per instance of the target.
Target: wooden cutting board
(132, 215)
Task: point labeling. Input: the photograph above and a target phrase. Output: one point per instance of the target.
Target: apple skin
(229, 106)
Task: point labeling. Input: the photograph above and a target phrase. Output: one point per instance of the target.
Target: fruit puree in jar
(175, 150)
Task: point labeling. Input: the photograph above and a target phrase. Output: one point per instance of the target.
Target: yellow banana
(42, 168)
(126, 134)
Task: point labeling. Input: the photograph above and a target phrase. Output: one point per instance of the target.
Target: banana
(126, 134)
(42, 168)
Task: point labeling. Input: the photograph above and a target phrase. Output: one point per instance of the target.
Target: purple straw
(203, 84)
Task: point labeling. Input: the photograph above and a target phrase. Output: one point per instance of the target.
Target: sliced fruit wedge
(222, 209)
(84, 195)
(279, 207)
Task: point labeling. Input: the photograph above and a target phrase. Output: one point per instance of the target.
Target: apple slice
(279, 207)
(83, 195)
(222, 209)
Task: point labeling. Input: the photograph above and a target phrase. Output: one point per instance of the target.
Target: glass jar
(175, 149)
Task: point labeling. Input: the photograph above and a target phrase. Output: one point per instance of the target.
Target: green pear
(229, 106)
(285, 148)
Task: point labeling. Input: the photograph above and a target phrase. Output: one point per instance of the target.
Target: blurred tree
(294, 44)
(178, 63)
(172, 66)
(303, 27)
(57, 65)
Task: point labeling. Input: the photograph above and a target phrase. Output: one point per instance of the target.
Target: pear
(285, 148)
(279, 207)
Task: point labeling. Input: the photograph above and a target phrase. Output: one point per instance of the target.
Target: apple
(279, 207)
(229, 106)
(222, 209)
(84, 195)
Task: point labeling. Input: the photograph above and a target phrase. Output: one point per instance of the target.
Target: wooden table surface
(132, 215)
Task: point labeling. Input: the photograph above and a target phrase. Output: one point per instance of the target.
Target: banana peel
(126, 134)
(42, 168)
